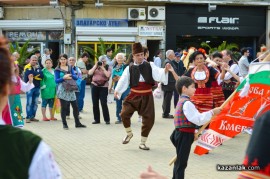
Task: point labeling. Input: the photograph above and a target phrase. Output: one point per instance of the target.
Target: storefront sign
(26, 35)
(226, 21)
(218, 23)
(101, 22)
(56, 35)
(151, 31)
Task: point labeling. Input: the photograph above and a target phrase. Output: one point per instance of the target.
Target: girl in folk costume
(28, 155)
(203, 77)
(216, 89)
(12, 113)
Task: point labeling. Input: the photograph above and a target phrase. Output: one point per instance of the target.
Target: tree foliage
(223, 46)
(101, 49)
(23, 51)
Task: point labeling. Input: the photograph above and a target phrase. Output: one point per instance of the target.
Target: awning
(32, 24)
(116, 34)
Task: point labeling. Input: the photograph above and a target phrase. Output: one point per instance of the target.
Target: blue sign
(101, 22)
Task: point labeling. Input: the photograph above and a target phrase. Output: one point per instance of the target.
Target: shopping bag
(57, 106)
(158, 93)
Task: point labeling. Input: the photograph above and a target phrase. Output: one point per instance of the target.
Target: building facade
(164, 24)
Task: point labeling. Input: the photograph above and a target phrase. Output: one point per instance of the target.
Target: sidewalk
(97, 151)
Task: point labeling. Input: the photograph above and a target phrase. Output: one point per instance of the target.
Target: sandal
(127, 139)
(53, 119)
(46, 119)
(143, 147)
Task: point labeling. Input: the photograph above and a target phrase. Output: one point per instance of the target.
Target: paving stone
(97, 152)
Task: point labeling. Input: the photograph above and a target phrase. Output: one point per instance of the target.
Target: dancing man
(140, 76)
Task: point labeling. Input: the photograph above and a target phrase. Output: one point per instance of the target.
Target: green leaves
(222, 46)
(101, 49)
(23, 51)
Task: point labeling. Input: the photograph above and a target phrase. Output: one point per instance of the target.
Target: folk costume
(140, 78)
(25, 155)
(217, 92)
(203, 98)
(185, 120)
(13, 110)
(229, 83)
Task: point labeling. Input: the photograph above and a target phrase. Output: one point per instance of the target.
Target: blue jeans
(119, 103)
(82, 95)
(32, 102)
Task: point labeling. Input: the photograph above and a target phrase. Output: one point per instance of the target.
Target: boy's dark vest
(180, 120)
(144, 69)
(17, 150)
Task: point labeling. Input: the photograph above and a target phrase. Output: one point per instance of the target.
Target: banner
(240, 112)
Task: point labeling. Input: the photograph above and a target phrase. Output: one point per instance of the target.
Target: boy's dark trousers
(182, 142)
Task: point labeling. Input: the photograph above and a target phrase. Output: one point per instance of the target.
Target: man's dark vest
(16, 152)
(144, 69)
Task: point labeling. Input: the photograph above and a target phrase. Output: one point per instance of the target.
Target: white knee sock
(143, 140)
(129, 131)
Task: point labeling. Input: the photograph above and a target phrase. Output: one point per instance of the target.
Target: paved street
(97, 151)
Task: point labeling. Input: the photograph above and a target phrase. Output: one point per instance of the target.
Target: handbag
(70, 85)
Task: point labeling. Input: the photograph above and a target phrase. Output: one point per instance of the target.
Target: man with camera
(100, 82)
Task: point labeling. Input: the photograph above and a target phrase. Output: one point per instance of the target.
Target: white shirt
(44, 58)
(200, 75)
(157, 62)
(43, 165)
(234, 68)
(158, 74)
(194, 116)
(25, 87)
(243, 66)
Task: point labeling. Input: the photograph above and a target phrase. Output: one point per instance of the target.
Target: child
(187, 117)
(13, 110)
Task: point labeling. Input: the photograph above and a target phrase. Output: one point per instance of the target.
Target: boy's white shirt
(194, 116)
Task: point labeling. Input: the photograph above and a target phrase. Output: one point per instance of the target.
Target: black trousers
(64, 106)
(166, 105)
(175, 98)
(182, 142)
(100, 93)
(77, 100)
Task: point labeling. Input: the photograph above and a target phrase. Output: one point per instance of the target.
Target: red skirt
(218, 95)
(203, 99)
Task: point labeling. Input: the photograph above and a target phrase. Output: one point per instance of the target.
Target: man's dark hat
(137, 48)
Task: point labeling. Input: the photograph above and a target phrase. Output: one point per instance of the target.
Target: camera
(99, 63)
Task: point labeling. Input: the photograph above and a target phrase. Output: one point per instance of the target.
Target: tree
(223, 46)
(23, 51)
(101, 49)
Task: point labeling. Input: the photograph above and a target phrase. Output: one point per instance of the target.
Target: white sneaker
(140, 119)
(249, 131)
